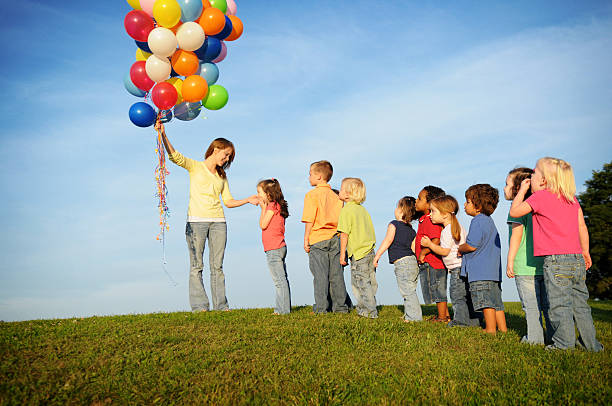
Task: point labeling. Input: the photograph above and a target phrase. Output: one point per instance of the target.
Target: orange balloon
(212, 20)
(194, 88)
(206, 4)
(176, 27)
(185, 63)
(236, 30)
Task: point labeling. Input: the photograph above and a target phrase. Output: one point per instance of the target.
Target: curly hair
(518, 176)
(433, 192)
(484, 197)
(406, 205)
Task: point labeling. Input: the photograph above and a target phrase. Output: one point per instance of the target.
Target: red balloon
(164, 96)
(138, 25)
(139, 76)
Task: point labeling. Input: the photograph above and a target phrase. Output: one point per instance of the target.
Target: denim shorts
(433, 283)
(486, 294)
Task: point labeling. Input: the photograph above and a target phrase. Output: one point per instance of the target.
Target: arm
(584, 239)
(515, 242)
(160, 127)
(307, 230)
(434, 246)
(519, 207)
(237, 203)
(265, 217)
(465, 248)
(425, 250)
(385, 244)
(343, 243)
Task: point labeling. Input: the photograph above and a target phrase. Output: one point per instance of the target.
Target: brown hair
(448, 204)
(323, 168)
(484, 197)
(406, 205)
(273, 191)
(433, 192)
(518, 176)
(221, 143)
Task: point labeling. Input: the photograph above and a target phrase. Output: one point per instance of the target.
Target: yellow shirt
(355, 221)
(204, 188)
(321, 208)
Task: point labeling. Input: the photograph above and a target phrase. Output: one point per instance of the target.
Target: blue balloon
(209, 72)
(209, 50)
(142, 114)
(144, 46)
(187, 111)
(226, 31)
(130, 87)
(190, 9)
(166, 116)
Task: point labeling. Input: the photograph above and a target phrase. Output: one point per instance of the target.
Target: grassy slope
(250, 356)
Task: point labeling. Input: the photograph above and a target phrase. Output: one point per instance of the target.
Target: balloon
(237, 29)
(144, 46)
(185, 63)
(139, 77)
(147, 6)
(187, 111)
(164, 95)
(222, 54)
(209, 72)
(167, 13)
(130, 87)
(178, 85)
(135, 4)
(219, 4)
(210, 50)
(194, 88)
(212, 20)
(216, 98)
(190, 36)
(227, 29)
(162, 42)
(138, 25)
(158, 68)
(165, 116)
(142, 114)
(142, 55)
(190, 9)
(231, 8)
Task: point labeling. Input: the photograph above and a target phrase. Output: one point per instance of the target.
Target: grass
(252, 357)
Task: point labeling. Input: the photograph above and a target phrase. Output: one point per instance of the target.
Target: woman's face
(221, 156)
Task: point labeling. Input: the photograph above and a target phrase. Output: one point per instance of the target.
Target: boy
(482, 256)
(321, 242)
(357, 236)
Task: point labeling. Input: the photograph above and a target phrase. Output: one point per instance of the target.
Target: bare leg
(500, 319)
(490, 320)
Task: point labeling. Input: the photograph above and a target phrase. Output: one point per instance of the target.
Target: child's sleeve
(344, 223)
(535, 201)
(475, 235)
(182, 160)
(310, 209)
(225, 193)
(446, 239)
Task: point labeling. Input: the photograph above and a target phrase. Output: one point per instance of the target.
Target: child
(274, 211)
(321, 242)
(560, 236)
(444, 210)
(431, 268)
(524, 266)
(399, 240)
(357, 237)
(482, 256)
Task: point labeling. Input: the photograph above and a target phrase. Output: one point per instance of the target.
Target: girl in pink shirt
(274, 211)
(560, 236)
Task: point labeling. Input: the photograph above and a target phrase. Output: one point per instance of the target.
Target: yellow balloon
(142, 55)
(178, 85)
(167, 13)
(135, 4)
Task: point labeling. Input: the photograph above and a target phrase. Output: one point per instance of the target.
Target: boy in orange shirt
(321, 240)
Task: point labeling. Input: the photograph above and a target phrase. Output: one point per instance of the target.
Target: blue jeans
(362, 274)
(433, 283)
(532, 293)
(196, 234)
(278, 270)
(328, 276)
(407, 274)
(565, 281)
(463, 309)
(486, 294)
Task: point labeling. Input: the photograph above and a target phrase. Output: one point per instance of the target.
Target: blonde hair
(559, 177)
(448, 204)
(355, 189)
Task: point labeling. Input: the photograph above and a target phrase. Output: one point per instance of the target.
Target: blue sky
(400, 93)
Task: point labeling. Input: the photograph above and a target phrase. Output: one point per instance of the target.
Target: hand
(587, 259)
(343, 261)
(159, 126)
(510, 270)
(525, 185)
(375, 263)
(421, 258)
(306, 247)
(254, 200)
(425, 241)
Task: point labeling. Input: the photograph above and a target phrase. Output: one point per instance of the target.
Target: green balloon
(220, 4)
(216, 98)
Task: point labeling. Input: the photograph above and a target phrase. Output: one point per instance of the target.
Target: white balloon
(158, 68)
(162, 42)
(190, 36)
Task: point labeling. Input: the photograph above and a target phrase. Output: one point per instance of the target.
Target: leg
(542, 298)
(438, 283)
(337, 287)
(558, 277)
(582, 310)
(407, 274)
(276, 264)
(196, 235)
(490, 320)
(526, 287)
(317, 259)
(458, 296)
(217, 238)
(500, 321)
(424, 280)
(361, 278)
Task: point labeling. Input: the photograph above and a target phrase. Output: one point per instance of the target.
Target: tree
(596, 203)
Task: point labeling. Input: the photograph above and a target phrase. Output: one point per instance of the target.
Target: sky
(402, 94)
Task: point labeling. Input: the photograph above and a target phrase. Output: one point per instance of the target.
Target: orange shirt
(321, 208)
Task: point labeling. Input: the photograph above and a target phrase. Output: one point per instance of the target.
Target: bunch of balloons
(179, 44)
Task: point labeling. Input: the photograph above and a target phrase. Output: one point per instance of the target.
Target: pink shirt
(555, 224)
(273, 236)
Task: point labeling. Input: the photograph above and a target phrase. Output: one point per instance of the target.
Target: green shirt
(355, 221)
(525, 263)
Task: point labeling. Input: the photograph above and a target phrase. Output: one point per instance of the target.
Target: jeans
(463, 309)
(278, 270)
(433, 283)
(407, 273)
(196, 234)
(532, 293)
(362, 274)
(328, 276)
(564, 278)
(486, 294)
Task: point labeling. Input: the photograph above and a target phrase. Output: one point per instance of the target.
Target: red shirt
(273, 237)
(431, 230)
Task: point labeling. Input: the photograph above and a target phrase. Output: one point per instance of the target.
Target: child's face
(537, 180)
(314, 178)
(398, 214)
(470, 209)
(508, 187)
(262, 195)
(343, 195)
(421, 203)
(436, 216)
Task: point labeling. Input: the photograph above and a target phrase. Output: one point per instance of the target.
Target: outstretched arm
(160, 127)
(237, 203)
(385, 244)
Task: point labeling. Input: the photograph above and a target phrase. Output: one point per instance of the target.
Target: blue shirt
(484, 264)
(400, 247)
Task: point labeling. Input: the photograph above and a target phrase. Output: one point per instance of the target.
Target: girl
(444, 210)
(400, 243)
(560, 236)
(274, 211)
(524, 266)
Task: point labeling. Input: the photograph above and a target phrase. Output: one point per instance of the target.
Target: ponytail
(455, 228)
(448, 204)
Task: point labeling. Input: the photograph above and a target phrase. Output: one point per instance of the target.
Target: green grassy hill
(250, 356)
